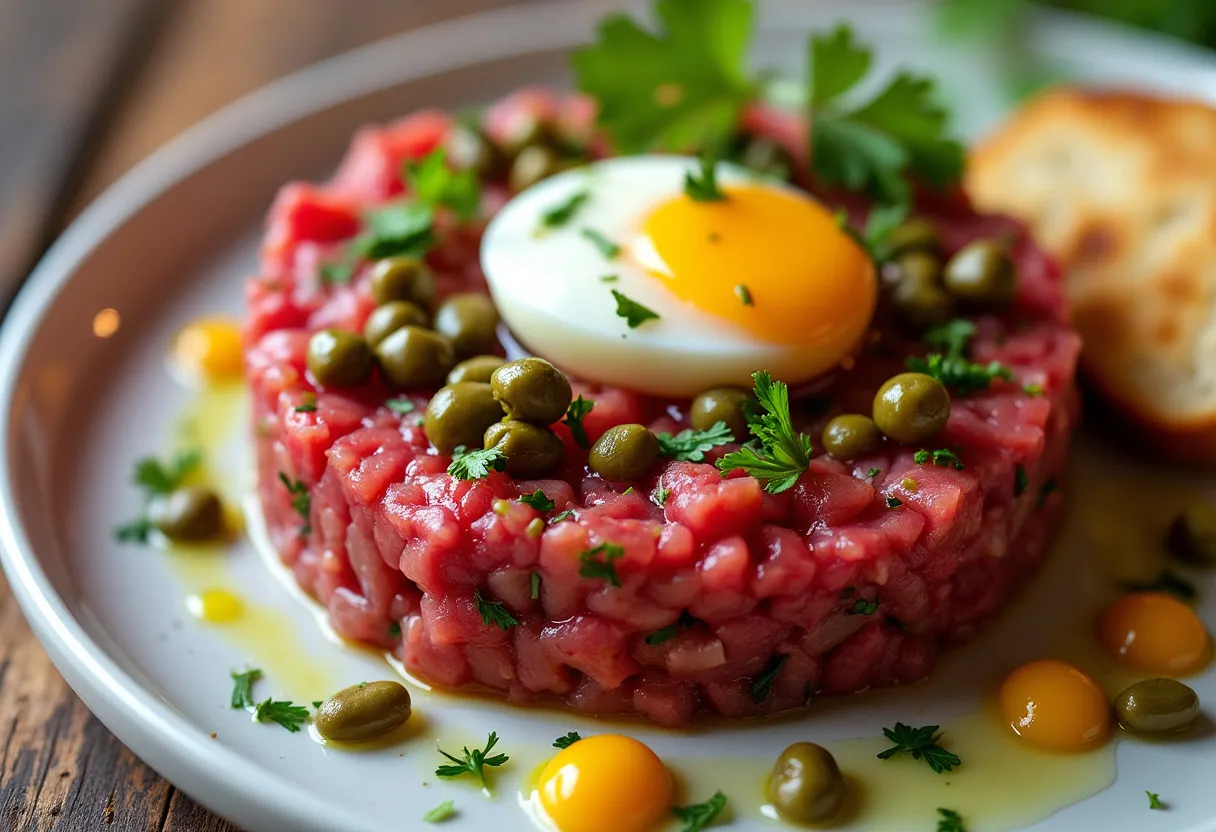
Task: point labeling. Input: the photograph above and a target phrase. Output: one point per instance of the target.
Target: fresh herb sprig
(538, 500)
(477, 464)
(494, 613)
(922, 744)
(1154, 800)
(578, 410)
(634, 313)
(950, 821)
(762, 685)
(242, 687)
(599, 562)
(287, 714)
(942, 458)
(690, 445)
(156, 479)
(784, 452)
(562, 213)
(301, 500)
(473, 762)
(702, 185)
(697, 816)
(568, 740)
(952, 367)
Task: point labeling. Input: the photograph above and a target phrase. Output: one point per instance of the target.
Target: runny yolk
(606, 783)
(1053, 705)
(215, 606)
(807, 283)
(210, 348)
(1154, 632)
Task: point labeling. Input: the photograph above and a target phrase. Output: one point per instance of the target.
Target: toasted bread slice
(1121, 187)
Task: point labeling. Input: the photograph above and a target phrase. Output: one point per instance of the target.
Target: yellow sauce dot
(210, 348)
(1154, 632)
(1053, 705)
(215, 606)
(606, 783)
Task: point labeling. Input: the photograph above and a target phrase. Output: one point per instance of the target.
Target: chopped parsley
(950, 821)
(394, 629)
(475, 465)
(784, 453)
(744, 294)
(662, 494)
(156, 479)
(606, 247)
(922, 744)
(942, 458)
(493, 613)
(301, 500)
(242, 687)
(1033, 390)
(609, 278)
(472, 762)
(591, 565)
(308, 405)
(1166, 581)
(534, 579)
(690, 445)
(952, 337)
(442, 812)
(894, 502)
(762, 685)
(567, 741)
(863, 607)
(669, 632)
(289, 715)
(700, 815)
(400, 405)
(634, 313)
(1020, 480)
(958, 373)
(538, 500)
(873, 472)
(559, 215)
(703, 186)
(578, 410)
(565, 515)
(432, 183)
(880, 222)
(396, 230)
(1154, 800)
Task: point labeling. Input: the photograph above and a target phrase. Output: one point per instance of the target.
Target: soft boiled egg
(606, 783)
(764, 279)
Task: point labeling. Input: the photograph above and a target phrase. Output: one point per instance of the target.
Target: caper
(531, 450)
(477, 368)
(469, 148)
(624, 452)
(415, 357)
(403, 278)
(806, 785)
(471, 321)
(916, 292)
(363, 712)
(1192, 535)
(914, 234)
(188, 513)
(337, 358)
(722, 404)
(532, 390)
(1157, 706)
(981, 272)
(390, 317)
(768, 157)
(459, 415)
(851, 436)
(911, 407)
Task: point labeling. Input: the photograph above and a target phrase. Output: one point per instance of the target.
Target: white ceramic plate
(174, 239)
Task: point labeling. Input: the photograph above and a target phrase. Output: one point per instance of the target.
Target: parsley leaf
(951, 337)
(958, 373)
(442, 812)
(301, 500)
(921, 743)
(286, 714)
(880, 222)
(473, 762)
(950, 821)
(242, 687)
(575, 414)
(137, 531)
(762, 685)
(535, 580)
(863, 607)
(1033, 390)
(942, 458)
(493, 613)
(703, 186)
(1154, 800)
(786, 453)
(744, 294)
(634, 313)
(700, 815)
(669, 632)
(538, 500)
(474, 465)
(592, 566)
(894, 502)
(400, 405)
(565, 515)
(606, 247)
(403, 228)
(155, 477)
(662, 494)
(308, 405)
(567, 741)
(690, 445)
(559, 215)
(436, 185)
(681, 87)
(873, 472)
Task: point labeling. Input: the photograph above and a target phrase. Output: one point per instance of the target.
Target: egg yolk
(1154, 632)
(1053, 705)
(606, 783)
(215, 606)
(210, 348)
(771, 260)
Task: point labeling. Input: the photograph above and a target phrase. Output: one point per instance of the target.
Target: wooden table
(88, 88)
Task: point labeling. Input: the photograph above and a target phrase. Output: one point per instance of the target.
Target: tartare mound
(731, 599)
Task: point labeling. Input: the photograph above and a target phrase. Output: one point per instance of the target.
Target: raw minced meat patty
(824, 588)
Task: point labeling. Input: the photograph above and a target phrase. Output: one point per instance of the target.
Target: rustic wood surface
(88, 88)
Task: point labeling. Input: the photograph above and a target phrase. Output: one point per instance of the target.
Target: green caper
(911, 407)
(337, 358)
(471, 321)
(390, 317)
(188, 513)
(624, 452)
(459, 415)
(415, 357)
(722, 404)
(916, 292)
(531, 450)
(806, 785)
(1192, 535)
(914, 234)
(1157, 706)
(765, 156)
(469, 148)
(403, 278)
(532, 390)
(363, 712)
(982, 272)
(851, 436)
(477, 368)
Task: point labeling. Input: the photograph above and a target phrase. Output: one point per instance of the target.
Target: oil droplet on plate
(215, 606)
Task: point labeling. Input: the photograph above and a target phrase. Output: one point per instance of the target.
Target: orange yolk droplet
(1053, 705)
(215, 606)
(210, 348)
(1154, 632)
(805, 283)
(606, 783)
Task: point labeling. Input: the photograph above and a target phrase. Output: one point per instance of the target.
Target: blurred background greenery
(1191, 20)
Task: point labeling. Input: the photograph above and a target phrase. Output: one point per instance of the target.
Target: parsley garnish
(442, 812)
(285, 713)
(921, 743)
(341, 272)
(399, 229)
(474, 465)
(538, 500)
(669, 632)
(951, 337)
(1154, 800)
(762, 685)
(942, 458)
(308, 405)
(155, 479)
(535, 579)
(591, 566)
(950, 821)
(703, 187)
(873, 472)
(700, 815)
(1020, 480)
(493, 613)
(400, 405)
(606, 247)
(863, 607)
(744, 294)
(434, 184)
(609, 278)
(958, 373)
(786, 453)
(1033, 390)
(661, 495)
(394, 629)
(567, 741)
(473, 762)
(559, 215)
(1166, 581)
(894, 502)
(137, 531)
(301, 500)
(690, 445)
(681, 87)
(880, 222)
(317, 703)
(565, 515)
(242, 687)
(634, 313)
(575, 414)
(876, 145)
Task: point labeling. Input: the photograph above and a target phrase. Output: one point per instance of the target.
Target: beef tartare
(506, 526)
